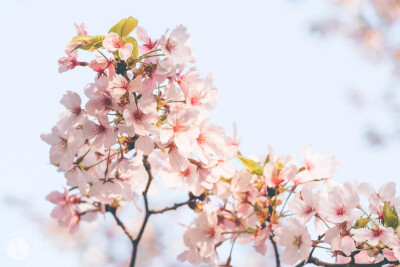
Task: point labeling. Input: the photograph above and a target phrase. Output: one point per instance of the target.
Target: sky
(282, 85)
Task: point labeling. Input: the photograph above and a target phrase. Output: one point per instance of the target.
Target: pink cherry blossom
(304, 205)
(209, 142)
(81, 29)
(140, 116)
(100, 65)
(148, 44)
(177, 45)
(153, 78)
(204, 232)
(185, 80)
(103, 133)
(78, 177)
(373, 236)
(202, 94)
(387, 193)
(64, 146)
(75, 114)
(119, 86)
(146, 124)
(64, 210)
(343, 243)
(260, 239)
(317, 166)
(108, 185)
(338, 205)
(99, 96)
(296, 240)
(113, 43)
(175, 157)
(279, 171)
(70, 61)
(180, 127)
(367, 257)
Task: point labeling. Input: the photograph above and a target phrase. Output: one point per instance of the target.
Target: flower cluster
(372, 25)
(146, 121)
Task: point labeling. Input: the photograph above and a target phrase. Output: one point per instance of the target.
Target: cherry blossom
(103, 133)
(64, 212)
(145, 129)
(113, 43)
(177, 45)
(296, 239)
(374, 235)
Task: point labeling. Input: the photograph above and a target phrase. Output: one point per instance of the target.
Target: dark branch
(277, 260)
(148, 212)
(318, 262)
(174, 207)
(147, 166)
(113, 211)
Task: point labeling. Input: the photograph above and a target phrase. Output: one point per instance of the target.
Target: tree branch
(174, 207)
(277, 260)
(147, 166)
(318, 262)
(113, 211)
(148, 212)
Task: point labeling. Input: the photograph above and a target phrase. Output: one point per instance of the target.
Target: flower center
(118, 43)
(297, 240)
(150, 45)
(340, 211)
(210, 232)
(63, 144)
(99, 129)
(138, 115)
(179, 128)
(185, 172)
(308, 210)
(76, 110)
(107, 102)
(201, 139)
(309, 166)
(195, 101)
(169, 46)
(376, 232)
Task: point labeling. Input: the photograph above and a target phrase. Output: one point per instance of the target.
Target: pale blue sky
(281, 85)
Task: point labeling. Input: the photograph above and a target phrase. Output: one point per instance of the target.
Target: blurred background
(288, 72)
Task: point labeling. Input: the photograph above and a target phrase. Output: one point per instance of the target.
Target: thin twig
(174, 207)
(148, 212)
(147, 166)
(277, 260)
(318, 262)
(228, 261)
(113, 211)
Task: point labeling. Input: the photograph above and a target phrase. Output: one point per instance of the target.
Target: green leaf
(135, 50)
(95, 46)
(96, 42)
(252, 166)
(390, 217)
(84, 47)
(228, 180)
(163, 118)
(91, 43)
(124, 27)
(97, 39)
(81, 38)
(361, 223)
